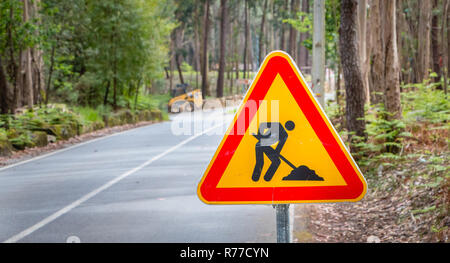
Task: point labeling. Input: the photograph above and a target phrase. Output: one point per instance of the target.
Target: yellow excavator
(184, 101)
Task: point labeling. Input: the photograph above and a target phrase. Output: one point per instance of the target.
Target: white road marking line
(66, 149)
(88, 196)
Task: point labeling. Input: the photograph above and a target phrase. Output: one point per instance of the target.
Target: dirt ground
(405, 210)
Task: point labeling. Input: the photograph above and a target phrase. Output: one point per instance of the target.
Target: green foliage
(423, 102)
(22, 140)
(424, 210)
(428, 171)
(87, 91)
(11, 22)
(3, 134)
(153, 102)
(64, 122)
(19, 128)
(88, 115)
(303, 23)
(185, 67)
(385, 137)
(333, 110)
(438, 181)
(92, 46)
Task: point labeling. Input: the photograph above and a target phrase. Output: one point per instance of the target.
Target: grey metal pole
(283, 224)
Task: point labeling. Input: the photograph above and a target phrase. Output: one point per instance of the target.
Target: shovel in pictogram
(301, 173)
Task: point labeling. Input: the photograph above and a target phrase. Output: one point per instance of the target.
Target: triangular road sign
(281, 147)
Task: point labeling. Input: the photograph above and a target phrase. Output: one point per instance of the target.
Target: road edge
(67, 144)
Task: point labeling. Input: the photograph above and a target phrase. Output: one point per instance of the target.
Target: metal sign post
(283, 223)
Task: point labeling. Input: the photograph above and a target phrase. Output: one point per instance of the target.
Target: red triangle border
(353, 191)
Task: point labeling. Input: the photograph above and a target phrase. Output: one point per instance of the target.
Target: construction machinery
(182, 100)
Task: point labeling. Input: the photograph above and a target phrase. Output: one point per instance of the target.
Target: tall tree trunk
(435, 42)
(28, 95)
(114, 68)
(178, 39)
(318, 51)
(205, 85)
(38, 74)
(50, 73)
(12, 66)
(246, 29)
(423, 60)
(237, 57)
(232, 52)
(338, 87)
(412, 25)
(236, 67)
(197, 53)
(283, 26)
(392, 67)
(303, 51)
(178, 64)
(9, 97)
(270, 32)
(5, 106)
(261, 33)
(115, 89)
(352, 71)
(37, 57)
(377, 54)
(137, 93)
(401, 45)
(213, 39)
(18, 87)
(251, 57)
(105, 98)
(385, 66)
(171, 63)
(445, 45)
(292, 31)
(223, 40)
(362, 30)
(448, 42)
(236, 50)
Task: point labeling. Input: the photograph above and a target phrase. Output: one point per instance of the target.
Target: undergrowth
(62, 121)
(418, 171)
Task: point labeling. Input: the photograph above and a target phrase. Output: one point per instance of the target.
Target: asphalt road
(135, 186)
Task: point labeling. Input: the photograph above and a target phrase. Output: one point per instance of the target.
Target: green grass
(152, 102)
(3, 135)
(88, 114)
(425, 103)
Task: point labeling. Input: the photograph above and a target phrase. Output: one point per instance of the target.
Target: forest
(73, 67)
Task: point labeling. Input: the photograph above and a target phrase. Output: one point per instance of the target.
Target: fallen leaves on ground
(408, 202)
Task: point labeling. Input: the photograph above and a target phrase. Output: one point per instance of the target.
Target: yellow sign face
(281, 147)
(302, 147)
